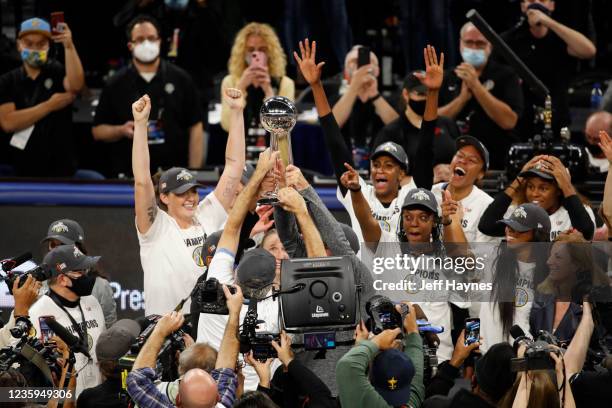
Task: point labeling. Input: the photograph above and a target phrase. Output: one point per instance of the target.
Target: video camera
(383, 315)
(537, 354)
(211, 297)
(260, 343)
(9, 267)
(37, 361)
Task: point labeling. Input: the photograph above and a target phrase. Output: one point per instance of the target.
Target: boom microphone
(519, 336)
(73, 342)
(10, 264)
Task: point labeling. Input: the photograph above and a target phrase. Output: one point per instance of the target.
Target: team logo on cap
(392, 383)
(184, 175)
(59, 227)
(77, 253)
(387, 147)
(420, 195)
(520, 213)
(60, 266)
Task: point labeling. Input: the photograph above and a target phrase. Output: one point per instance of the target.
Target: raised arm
(370, 228)
(452, 213)
(75, 76)
(196, 146)
(605, 142)
(293, 202)
(145, 202)
(578, 45)
(228, 350)
(333, 137)
(234, 151)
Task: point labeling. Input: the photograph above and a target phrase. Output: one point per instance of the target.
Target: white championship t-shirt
(474, 205)
(559, 220)
(88, 372)
(212, 326)
(171, 257)
(490, 321)
(389, 217)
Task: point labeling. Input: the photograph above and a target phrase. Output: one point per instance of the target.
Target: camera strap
(80, 329)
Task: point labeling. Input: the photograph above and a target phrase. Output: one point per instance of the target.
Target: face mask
(594, 149)
(146, 51)
(176, 4)
(83, 285)
(417, 107)
(33, 58)
(476, 58)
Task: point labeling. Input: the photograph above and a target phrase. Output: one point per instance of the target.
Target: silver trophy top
(278, 114)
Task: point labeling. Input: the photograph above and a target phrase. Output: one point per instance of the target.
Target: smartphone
(45, 331)
(57, 18)
(319, 341)
(363, 56)
(257, 59)
(472, 330)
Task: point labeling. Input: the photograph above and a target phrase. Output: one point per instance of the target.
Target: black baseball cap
(177, 180)
(493, 370)
(528, 217)
(257, 269)
(66, 231)
(536, 172)
(394, 150)
(421, 197)
(67, 258)
(116, 341)
(413, 84)
(392, 374)
(247, 172)
(472, 141)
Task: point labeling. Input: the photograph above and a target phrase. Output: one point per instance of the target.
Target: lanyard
(80, 329)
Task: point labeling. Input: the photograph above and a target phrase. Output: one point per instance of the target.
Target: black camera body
(571, 155)
(211, 297)
(537, 354)
(21, 356)
(40, 272)
(261, 345)
(383, 315)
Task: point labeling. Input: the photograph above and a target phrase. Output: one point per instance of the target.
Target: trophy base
(273, 201)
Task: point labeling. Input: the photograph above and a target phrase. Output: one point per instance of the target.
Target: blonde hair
(277, 61)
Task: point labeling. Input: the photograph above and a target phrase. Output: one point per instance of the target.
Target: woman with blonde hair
(257, 68)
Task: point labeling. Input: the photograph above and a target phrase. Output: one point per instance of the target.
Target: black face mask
(417, 107)
(82, 286)
(594, 149)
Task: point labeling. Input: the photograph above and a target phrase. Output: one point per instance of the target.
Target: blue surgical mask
(474, 57)
(34, 58)
(176, 4)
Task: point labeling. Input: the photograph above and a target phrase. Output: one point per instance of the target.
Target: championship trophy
(278, 116)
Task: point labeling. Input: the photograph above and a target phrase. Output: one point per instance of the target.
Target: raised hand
(361, 332)
(233, 98)
(169, 323)
(265, 223)
(605, 142)
(291, 201)
(556, 168)
(449, 207)
(294, 178)
(26, 295)
(309, 68)
(141, 109)
(434, 70)
(64, 36)
(350, 178)
(267, 160)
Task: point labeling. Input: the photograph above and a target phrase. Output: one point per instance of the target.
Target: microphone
(294, 289)
(519, 336)
(73, 342)
(10, 264)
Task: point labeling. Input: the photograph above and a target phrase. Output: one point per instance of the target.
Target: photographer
(70, 304)
(197, 386)
(396, 378)
(24, 296)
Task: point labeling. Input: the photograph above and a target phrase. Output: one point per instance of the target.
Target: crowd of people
(533, 329)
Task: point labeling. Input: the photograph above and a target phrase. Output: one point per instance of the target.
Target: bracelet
(375, 97)
(446, 224)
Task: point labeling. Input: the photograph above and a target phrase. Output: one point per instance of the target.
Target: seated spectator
(396, 377)
(113, 343)
(257, 68)
(484, 97)
(361, 111)
(548, 48)
(69, 232)
(197, 387)
(405, 130)
(35, 100)
(544, 181)
(597, 122)
(572, 274)
(491, 380)
(175, 136)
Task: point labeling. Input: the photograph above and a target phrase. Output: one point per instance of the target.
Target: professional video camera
(260, 343)
(537, 354)
(11, 272)
(211, 297)
(36, 360)
(383, 315)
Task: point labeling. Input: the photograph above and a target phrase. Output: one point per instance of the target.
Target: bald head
(597, 121)
(197, 390)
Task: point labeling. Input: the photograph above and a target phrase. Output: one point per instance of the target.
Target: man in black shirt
(483, 97)
(35, 102)
(405, 130)
(176, 135)
(547, 47)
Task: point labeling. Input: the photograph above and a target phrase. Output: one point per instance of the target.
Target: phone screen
(57, 17)
(319, 341)
(363, 56)
(45, 332)
(472, 331)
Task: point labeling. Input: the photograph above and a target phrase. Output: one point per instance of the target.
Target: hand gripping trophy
(278, 116)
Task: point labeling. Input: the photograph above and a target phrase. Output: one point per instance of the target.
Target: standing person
(548, 48)
(171, 240)
(257, 68)
(546, 182)
(70, 304)
(484, 97)
(176, 135)
(35, 102)
(69, 232)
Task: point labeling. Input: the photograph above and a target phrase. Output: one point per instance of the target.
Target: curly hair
(277, 61)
